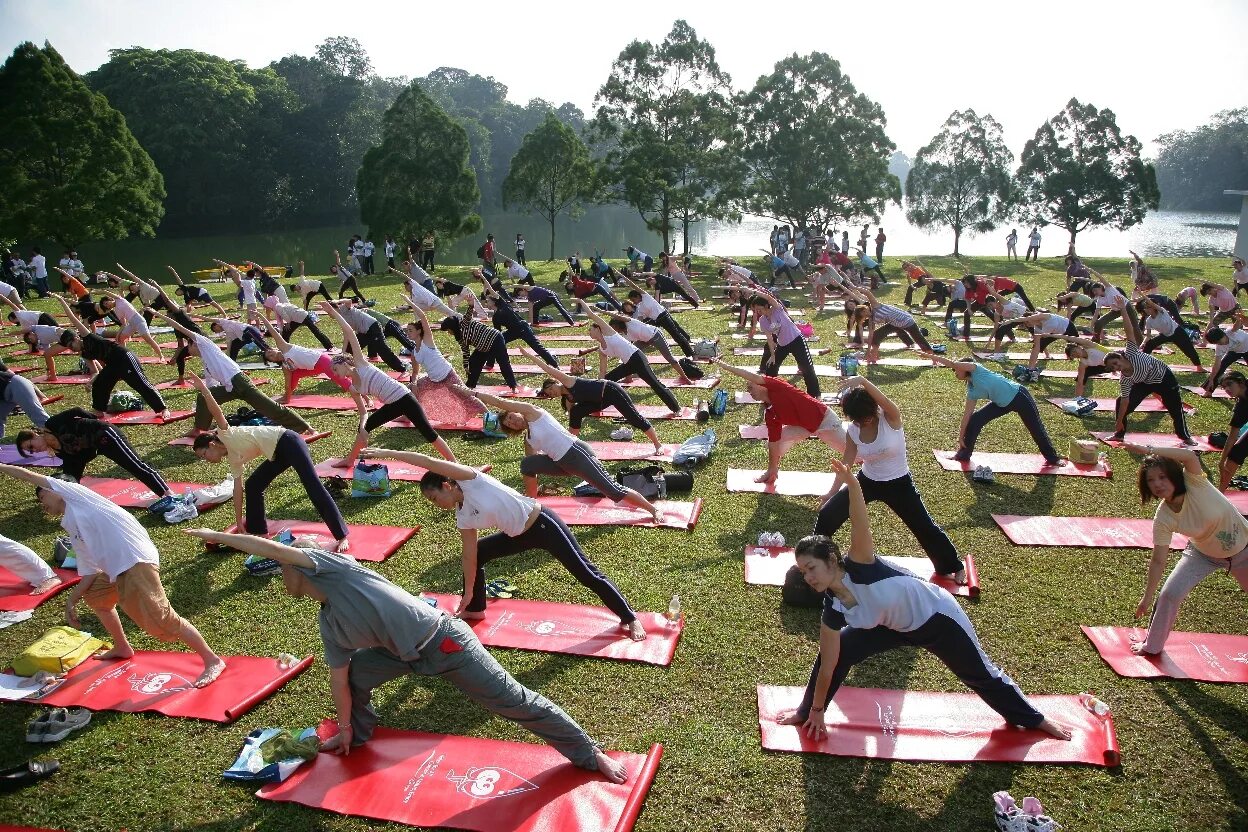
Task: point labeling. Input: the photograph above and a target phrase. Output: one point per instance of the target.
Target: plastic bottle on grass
(673, 613)
(1096, 706)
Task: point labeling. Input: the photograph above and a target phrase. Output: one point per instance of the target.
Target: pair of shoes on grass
(57, 724)
(1030, 817)
(501, 588)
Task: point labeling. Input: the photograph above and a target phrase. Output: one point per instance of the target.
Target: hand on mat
(339, 743)
(813, 724)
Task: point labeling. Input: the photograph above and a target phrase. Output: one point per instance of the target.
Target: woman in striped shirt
(1143, 376)
(481, 345)
(884, 319)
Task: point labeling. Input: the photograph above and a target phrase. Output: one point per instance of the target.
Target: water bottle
(286, 661)
(1096, 706)
(673, 609)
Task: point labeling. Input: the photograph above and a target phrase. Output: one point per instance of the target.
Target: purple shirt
(778, 323)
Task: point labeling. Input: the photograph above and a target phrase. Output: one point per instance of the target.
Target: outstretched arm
(1129, 321)
(528, 411)
(349, 338)
(753, 378)
(1083, 342)
(188, 333)
(966, 366)
(1187, 458)
(593, 316)
(861, 544)
(218, 415)
(177, 277)
(450, 470)
(82, 328)
(25, 475)
(282, 343)
(554, 372)
(259, 546)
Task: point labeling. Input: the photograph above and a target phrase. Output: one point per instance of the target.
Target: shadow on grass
(1002, 497)
(1191, 705)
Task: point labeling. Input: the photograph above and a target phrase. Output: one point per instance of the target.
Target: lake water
(1162, 234)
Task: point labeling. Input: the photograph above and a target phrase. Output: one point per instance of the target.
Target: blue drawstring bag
(270, 755)
(695, 449)
(370, 479)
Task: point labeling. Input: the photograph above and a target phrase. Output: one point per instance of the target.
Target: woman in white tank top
(437, 388)
(876, 438)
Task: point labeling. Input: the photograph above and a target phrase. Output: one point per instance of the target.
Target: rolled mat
(47, 401)
(9, 455)
(767, 566)
(652, 411)
(1150, 405)
(618, 451)
(571, 629)
(164, 682)
(15, 593)
(1023, 464)
(22, 369)
(1218, 392)
(188, 441)
(134, 494)
(1204, 657)
(482, 785)
(600, 511)
(371, 543)
(937, 727)
(398, 470)
(145, 417)
(789, 483)
(1161, 440)
(1096, 532)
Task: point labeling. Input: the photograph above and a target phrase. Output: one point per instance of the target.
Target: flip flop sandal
(505, 585)
(492, 591)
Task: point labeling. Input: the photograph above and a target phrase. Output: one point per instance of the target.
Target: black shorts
(1239, 451)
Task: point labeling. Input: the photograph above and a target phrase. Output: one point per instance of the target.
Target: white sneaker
(624, 434)
(183, 509)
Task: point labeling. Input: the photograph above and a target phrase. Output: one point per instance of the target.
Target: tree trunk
(957, 237)
(685, 227)
(552, 239)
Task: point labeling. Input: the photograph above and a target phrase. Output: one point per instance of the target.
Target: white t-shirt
(1241, 276)
(26, 318)
(369, 248)
(649, 308)
(307, 286)
(249, 291)
(46, 336)
(884, 459)
(418, 274)
(357, 248)
(422, 297)
(302, 358)
(1034, 238)
(1096, 358)
(1053, 325)
(232, 329)
(516, 271)
(488, 504)
(219, 368)
(389, 249)
(40, 264)
(637, 332)
(1013, 308)
(435, 364)
(1110, 299)
(957, 290)
(615, 346)
(289, 313)
(520, 243)
(1162, 323)
(790, 260)
(547, 436)
(124, 311)
(105, 537)
(1236, 341)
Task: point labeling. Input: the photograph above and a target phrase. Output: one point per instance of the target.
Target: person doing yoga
(875, 437)
(480, 344)
(374, 631)
(27, 566)
(870, 607)
(299, 362)
(1004, 395)
(482, 502)
(1235, 451)
(539, 298)
(1143, 376)
(1154, 317)
(783, 340)
(17, 391)
(790, 416)
(280, 449)
(551, 451)
(1190, 505)
(581, 397)
(633, 361)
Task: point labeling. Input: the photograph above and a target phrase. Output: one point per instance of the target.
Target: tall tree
(814, 146)
(418, 179)
(70, 169)
(551, 173)
(961, 178)
(1196, 166)
(660, 110)
(1080, 171)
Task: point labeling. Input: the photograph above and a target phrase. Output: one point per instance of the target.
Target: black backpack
(481, 252)
(691, 370)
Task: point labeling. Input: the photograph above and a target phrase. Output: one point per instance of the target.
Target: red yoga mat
(1150, 405)
(61, 379)
(471, 423)
(1204, 657)
(1097, 532)
(186, 385)
(187, 441)
(482, 785)
(652, 411)
(767, 566)
(320, 401)
(705, 383)
(9, 456)
(571, 629)
(1218, 392)
(15, 593)
(600, 511)
(134, 494)
(618, 451)
(22, 370)
(1161, 440)
(937, 727)
(163, 682)
(789, 483)
(1023, 464)
(399, 471)
(145, 417)
(559, 336)
(371, 543)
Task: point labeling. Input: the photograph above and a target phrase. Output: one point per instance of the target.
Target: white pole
(1241, 236)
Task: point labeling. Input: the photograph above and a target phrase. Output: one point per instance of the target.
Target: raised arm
(82, 328)
(1130, 322)
(753, 378)
(26, 475)
(1189, 459)
(188, 333)
(177, 277)
(349, 339)
(966, 366)
(282, 343)
(426, 330)
(259, 546)
(593, 316)
(528, 411)
(129, 273)
(218, 415)
(554, 372)
(892, 414)
(450, 470)
(861, 544)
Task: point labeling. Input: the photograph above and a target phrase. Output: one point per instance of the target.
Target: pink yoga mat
(471, 423)
(1096, 532)
(600, 511)
(61, 379)
(187, 441)
(821, 370)
(146, 417)
(704, 383)
(371, 543)
(937, 727)
(1161, 440)
(618, 451)
(767, 565)
(186, 385)
(1150, 405)
(162, 682)
(15, 593)
(481, 785)
(1205, 657)
(503, 391)
(1218, 392)
(399, 471)
(320, 401)
(570, 629)
(652, 411)
(1049, 373)
(10, 456)
(1022, 464)
(789, 483)
(134, 494)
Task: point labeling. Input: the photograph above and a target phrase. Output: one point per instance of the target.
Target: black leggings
(524, 332)
(350, 285)
(1102, 321)
(115, 447)
(801, 354)
(903, 498)
(613, 395)
(638, 365)
(537, 306)
(909, 336)
(1171, 396)
(949, 640)
(1180, 339)
(1025, 406)
(288, 330)
(550, 534)
(406, 406)
(497, 354)
(290, 452)
(321, 290)
(1225, 364)
(123, 366)
(393, 329)
(251, 335)
(664, 283)
(375, 342)
(678, 333)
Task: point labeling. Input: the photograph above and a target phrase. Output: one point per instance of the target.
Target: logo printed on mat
(888, 720)
(549, 628)
(1242, 658)
(154, 683)
(487, 782)
(1210, 657)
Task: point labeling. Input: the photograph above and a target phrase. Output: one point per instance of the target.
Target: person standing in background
(863, 236)
(357, 251)
(369, 248)
(520, 250)
(39, 265)
(1011, 245)
(390, 247)
(845, 242)
(427, 249)
(1033, 245)
(774, 238)
(880, 239)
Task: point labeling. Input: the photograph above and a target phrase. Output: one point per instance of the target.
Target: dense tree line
(1196, 166)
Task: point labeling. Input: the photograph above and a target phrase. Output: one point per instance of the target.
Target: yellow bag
(56, 651)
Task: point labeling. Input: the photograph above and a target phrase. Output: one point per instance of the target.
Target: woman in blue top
(1004, 395)
(870, 607)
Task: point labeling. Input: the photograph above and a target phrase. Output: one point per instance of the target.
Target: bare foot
(959, 577)
(164, 414)
(658, 449)
(472, 616)
(610, 769)
(791, 718)
(1137, 647)
(767, 476)
(343, 546)
(1053, 729)
(115, 653)
(635, 631)
(211, 673)
(46, 586)
(342, 463)
(282, 400)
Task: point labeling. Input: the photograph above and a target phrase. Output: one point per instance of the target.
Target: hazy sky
(1160, 66)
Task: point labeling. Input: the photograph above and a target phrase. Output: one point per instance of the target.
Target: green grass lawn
(1184, 746)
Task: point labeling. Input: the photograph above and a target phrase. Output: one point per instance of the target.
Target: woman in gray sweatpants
(554, 452)
(16, 391)
(374, 631)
